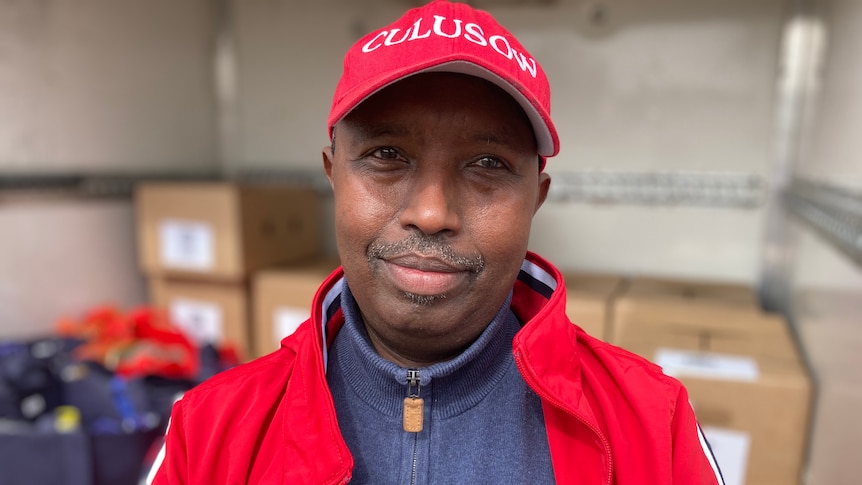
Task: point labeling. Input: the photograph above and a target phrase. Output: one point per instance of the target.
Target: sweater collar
(453, 386)
(543, 348)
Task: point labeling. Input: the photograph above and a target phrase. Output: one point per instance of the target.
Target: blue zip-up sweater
(492, 422)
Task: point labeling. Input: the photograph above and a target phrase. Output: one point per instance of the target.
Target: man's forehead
(376, 128)
(365, 130)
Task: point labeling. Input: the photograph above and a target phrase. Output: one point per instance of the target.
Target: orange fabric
(136, 343)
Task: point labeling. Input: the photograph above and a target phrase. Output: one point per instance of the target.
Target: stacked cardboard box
(200, 243)
(589, 301)
(206, 311)
(830, 332)
(742, 369)
(283, 298)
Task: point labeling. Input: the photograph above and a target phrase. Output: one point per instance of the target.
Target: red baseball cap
(445, 36)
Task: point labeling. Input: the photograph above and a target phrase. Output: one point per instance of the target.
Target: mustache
(428, 246)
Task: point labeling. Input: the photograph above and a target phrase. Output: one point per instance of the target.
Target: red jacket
(611, 416)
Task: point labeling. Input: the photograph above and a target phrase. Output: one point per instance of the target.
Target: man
(440, 352)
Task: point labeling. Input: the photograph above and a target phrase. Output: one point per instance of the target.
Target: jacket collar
(545, 348)
(545, 345)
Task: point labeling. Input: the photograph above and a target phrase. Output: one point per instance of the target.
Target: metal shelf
(833, 212)
(665, 188)
(30, 187)
(702, 189)
(81, 186)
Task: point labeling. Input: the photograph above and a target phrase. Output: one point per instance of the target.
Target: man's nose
(431, 205)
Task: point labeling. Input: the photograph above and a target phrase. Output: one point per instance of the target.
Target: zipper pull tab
(414, 406)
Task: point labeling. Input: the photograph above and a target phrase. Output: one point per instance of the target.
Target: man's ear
(327, 163)
(544, 186)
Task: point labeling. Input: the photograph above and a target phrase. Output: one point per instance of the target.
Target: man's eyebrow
(498, 139)
(370, 131)
(492, 138)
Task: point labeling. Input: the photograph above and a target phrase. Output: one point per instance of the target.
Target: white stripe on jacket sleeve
(709, 456)
(157, 463)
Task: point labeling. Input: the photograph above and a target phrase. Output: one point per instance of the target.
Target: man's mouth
(424, 276)
(423, 266)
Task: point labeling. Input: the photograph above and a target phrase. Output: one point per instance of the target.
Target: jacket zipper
(413, 382)
(415, 454)
(556, 402)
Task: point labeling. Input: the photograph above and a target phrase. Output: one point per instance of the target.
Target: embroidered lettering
(438, 27)
(494, 40)
(389, 37)
(471, 32)
(367, 47)
(525, 63)
(416, 34)
(474, 34)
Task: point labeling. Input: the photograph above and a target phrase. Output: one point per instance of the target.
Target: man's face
(436, 182)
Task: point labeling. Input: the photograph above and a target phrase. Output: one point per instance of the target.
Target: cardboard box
(282, 300)
(747, 383)
(224, 231)
(208, 312)
(709, 329)
(695, 291)
(729, 313)
(589, 301)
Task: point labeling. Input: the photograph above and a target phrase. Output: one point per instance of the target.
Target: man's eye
(387, 154)
(490, 162)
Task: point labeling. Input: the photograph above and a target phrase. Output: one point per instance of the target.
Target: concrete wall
(127, 86)
(93, 86)
(662, 85)
(59, 259)
(833, 148)
(106, 85)
(658, 85)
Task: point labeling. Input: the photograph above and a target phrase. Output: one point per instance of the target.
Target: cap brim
(546, 137)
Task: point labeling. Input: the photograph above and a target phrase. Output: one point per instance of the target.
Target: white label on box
(287, 320)
(186, 244)
(687, 363)
(201, 321)
(730, 448)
